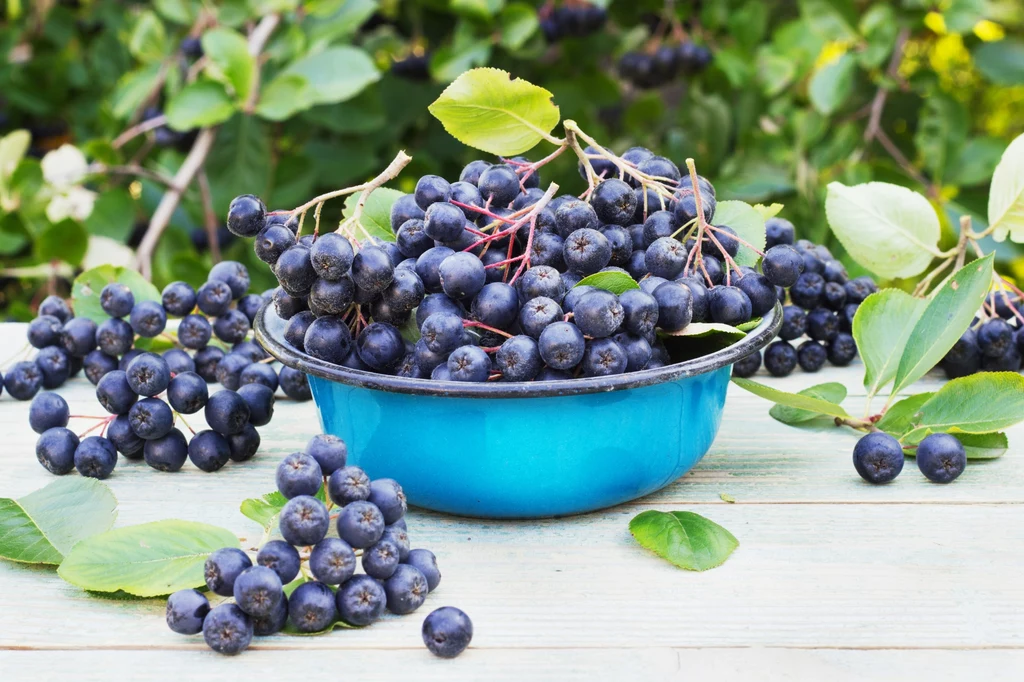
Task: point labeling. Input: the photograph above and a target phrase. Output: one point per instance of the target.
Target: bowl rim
(755, 340)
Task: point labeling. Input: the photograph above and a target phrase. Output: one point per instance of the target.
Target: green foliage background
(799, 94)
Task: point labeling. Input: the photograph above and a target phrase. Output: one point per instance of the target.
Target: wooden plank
(651, 664)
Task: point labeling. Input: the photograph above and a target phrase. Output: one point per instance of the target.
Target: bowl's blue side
(501, 458)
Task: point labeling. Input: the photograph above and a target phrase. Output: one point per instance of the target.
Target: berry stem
(400, 161)
(178, 415)
(100, 424)
(481, 325)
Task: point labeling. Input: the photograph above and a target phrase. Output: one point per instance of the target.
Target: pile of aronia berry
(146, 393)
(576, 19)
(995, 340)
(818, 307)
(662, 64)
(369, 522)
(490, 274)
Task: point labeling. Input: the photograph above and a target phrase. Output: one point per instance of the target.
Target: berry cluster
(490, 271)
(370, 531)
(573, 19)
(820, 302)
(146, 393)
(656, 67)
(994, 342)
(878, 457)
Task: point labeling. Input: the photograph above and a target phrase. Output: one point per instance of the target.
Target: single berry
(519, 359)
(120, 433)
(304, 521)
(878, 457)
(187, 393)
(360, 524)
(257, 591)
(298, 474)
(842, 350)
(44, 331)
(178, 298)
(226, 413)
(55, 450)
(348, 484)
(113, 392)
(406, 590)
(780, 358)
(260, 400)
(603, 357)
(675, 306)
(48, 410)
(246, 216)
(361, 600)
(599, 314)
(151, 418)
(168, 453)
(562, 345)
(186, 611)
(209, 451)
(148, 318)
(117, 299)
(148, 374)
(447, 632)
(941, 457)
(747, 366)
(811, 356)
(78, 336)
(311, 607)
(280, 557)
(227, 629)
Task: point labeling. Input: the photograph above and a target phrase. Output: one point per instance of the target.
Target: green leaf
(264, 510)
(1002, 62)
(229, 60)
(825, 18)
(486, 109)
(334, 75)
(615, 282)
(451, 60)
(833, 392)
(749, 225)
(701, 329)
(517, 24)
(148, 560)
(148, 40)
(944, 320)
(890, 230)
(882, 328)
(284, 97)
(832, 84)
(238, 163)
(903, 415)
(13, 146)
(376, 218)
(685, 539)
(981, 403)
(774, 72)
(1006, 197)
(43, 526)
(976, 161)
(941, 132)
(133, 89)
(179, 11)
(802, 402)
(983, 445)
(85, 292)
(476, 9)
(113, 215)
(199, 105)
(65, 241)
(769, 211)
(726, 497)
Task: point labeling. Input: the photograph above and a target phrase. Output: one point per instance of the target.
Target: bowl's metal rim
(756, 339)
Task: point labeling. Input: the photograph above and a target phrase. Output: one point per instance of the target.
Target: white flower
(76, 203)
(64, 167)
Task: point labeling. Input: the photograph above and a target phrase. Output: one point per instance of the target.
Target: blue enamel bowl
(523, 450)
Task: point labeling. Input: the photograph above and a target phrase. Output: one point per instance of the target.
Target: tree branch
(878, 103)
(193, 162)
(209, 216)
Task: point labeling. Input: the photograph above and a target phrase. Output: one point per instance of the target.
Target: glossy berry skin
(782, 265)
(294, 270)
(187, 393)
(264, 626)
(614, 202)
(258, 591)
(842, 350)
(760, 291)
(878, 457)
(114, 337)
(729, 305)
(329, 452)
(360, 600)
(665, 257)
(328, 339)
(260, 401)
(178, 299)
(604, 357)
(372, 270)
(231, 327)
(444, 222)
(226, 413)
(117, 299)
(442, 332)
(168, 453)
(500, 184)
(780, 358)
(675, 306)
(271, 242)
(44, 331)
(794, 323)
(561, 345)
(462, 275)
(747, 366)
(811, 356)
(95, 457)
(331, 256)
(208, 451)
(598, 314)
(194, 331)
(425, 561)
(232, 273)
(55, 450)
(294, 384)
(246, 216)
(56, 307)
(55, 366)
(280, 557)
(447, 632)
(941, 457)
(427, 266)
(822, 324)
(178, 361)
(332, 561)
(348, 484)
(431, 189)
(541, 281)
(148, 318)
(497, 305)
(151, 418)
(398, 533)
(808, 290)
(311, 607)
(259, 373)
(48, 410)
(640, 310)
(360, 524)
(114, 393)
(995, 338)
(304, 521)
(78, 336)
(227, 629)
(778, 231)
(586, 251)
(406, 589)
(659, 224)
(298, 474)
(148, 374)
(380, 346)
(387, 495)
(120, 433)
(519, 359)
(469, 363)
(186, 611)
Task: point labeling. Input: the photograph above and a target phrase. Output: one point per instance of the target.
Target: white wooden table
(834, 579)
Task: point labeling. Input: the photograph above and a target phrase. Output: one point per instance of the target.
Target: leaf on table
(685, 539)
(986, 402)
(748, 223)
(43, 526)
(944, 320)
(1006, 196)
(148, 560)
(85, 292)
(264, 510)
(794, 400)
(903, 416)
(983, 445)
(487, 109)
(615, 282)
(376, 218)
(882, 328)
(726, 497)
(832, 392)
